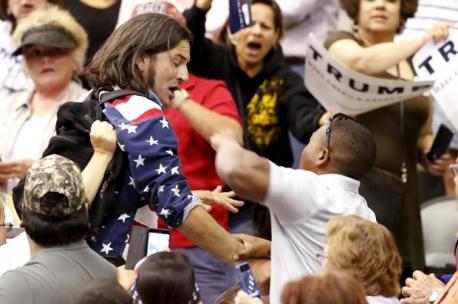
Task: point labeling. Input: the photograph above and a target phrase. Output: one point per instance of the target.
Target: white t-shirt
(301, 203)
(15, 253)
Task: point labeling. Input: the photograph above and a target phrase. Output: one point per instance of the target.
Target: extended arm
(244, 171)
(207, 58)
(150, 145)
(207, 122)
(206, 233)
(379, 57)
(103, 139)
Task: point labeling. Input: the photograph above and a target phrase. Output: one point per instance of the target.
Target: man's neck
(34, 247)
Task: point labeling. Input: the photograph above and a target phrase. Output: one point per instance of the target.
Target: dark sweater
(270, 104)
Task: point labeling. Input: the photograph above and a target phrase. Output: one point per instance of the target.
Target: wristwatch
(434, 295)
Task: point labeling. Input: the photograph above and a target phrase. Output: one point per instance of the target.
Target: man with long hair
(148, 54)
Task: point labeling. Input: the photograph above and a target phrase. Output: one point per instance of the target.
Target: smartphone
(441, 142)
(239, 15)
(247, 280)
(157, 240)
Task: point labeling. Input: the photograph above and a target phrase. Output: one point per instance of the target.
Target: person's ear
(142, 62)
(323, 158)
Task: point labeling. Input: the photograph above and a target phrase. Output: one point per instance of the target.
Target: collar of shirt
(155, 98)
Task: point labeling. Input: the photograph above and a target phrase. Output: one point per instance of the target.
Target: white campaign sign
(440, 62)
(340, 89)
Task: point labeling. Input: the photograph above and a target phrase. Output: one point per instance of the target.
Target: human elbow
(364, 66)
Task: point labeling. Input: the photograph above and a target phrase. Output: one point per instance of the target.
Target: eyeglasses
(334, 118)
(7, 226)
(321, 257)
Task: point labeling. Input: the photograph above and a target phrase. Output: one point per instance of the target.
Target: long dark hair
(114, 63)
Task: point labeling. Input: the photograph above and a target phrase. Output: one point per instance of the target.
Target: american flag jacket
(151, 177)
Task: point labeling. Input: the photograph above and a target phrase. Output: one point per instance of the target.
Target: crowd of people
(119, 116)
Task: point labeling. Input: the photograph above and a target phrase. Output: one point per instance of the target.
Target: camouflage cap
(54, 173)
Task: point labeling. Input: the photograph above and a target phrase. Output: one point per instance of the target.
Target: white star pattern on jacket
(161, 169)
(165, 212)
(131, 181)
(152, 141)
(169, 152)
(176, 191)
(106, 248)
(165, 123)
(174, 170)
(153, 170)
(123, 217)
(140, 161)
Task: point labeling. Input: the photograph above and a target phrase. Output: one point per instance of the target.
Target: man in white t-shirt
(302, 201)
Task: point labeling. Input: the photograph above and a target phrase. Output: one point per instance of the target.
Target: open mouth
(172, 89)
(254, 46)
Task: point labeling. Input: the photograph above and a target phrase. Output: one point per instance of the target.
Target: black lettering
(447, 49)
(333, 71)
(383, 90)
(365, 87)
(316, 55)
(426, 65)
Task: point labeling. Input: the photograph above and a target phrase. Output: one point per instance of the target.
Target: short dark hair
(104, 291)
(353, 148)
(49, 231)
(114, 63)
(278, 17)
(408, 9)
(4, 15)
(166, 277)
(278, 21)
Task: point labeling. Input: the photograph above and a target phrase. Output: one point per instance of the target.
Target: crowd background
(245, 129)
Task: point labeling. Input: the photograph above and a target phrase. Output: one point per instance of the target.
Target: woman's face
(49, 67)
(254, 42)
(379, 15)
(21, 8)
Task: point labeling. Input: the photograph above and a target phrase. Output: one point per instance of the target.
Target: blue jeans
(212, 275)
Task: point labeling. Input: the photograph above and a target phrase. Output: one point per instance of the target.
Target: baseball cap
(48, 35)
(54, 173)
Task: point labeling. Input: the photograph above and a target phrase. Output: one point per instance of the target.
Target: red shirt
(196, 155)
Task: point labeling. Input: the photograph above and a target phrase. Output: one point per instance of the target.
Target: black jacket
(270, 104)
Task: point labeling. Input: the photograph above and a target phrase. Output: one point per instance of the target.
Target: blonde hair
(368, 251)
(327, 288)
(53, 15)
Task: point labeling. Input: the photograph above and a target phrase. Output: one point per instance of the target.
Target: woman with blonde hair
(53, 45)
(12, 75)
(368, 252)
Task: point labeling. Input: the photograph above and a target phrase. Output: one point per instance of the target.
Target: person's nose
(256, 29)
(380, 4)
(183, 73)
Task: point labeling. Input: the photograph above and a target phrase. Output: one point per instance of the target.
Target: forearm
(246, 173)
(379, 57)
(205, 232)
(207, 122)
(93, 174)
